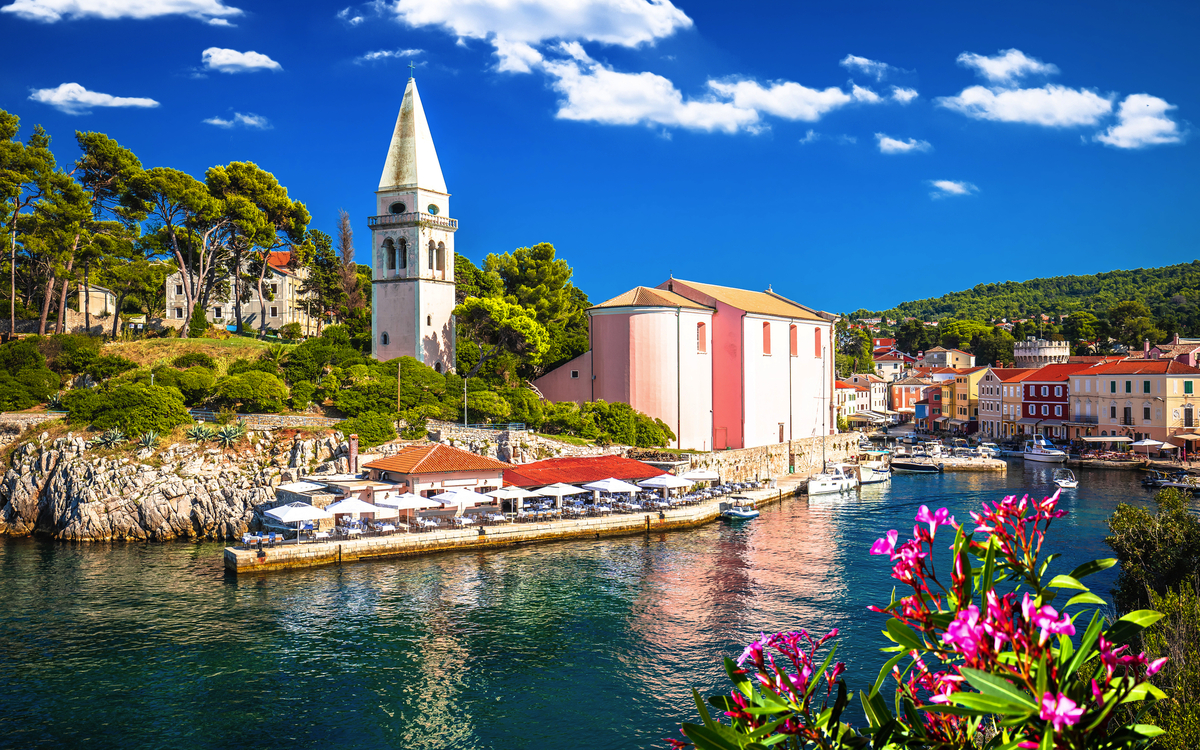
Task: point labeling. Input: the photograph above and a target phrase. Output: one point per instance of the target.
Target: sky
(848, 155)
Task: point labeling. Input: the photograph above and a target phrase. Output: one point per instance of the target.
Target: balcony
(1085, 419)
(413, 217)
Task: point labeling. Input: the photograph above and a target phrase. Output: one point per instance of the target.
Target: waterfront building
(941, 357)
(878, 391)
(429, 469)
(1012, 401)
(1046, 400)
(1037, 352)
(412, 247)
(964, 416)
(283, 300)
(1182, 350)
(892, 365)
(992, 406)
(905, 393)
(1153, 399)
(723, 367)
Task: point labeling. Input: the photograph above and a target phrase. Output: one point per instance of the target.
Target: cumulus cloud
(950, 188)
(514, 27)
(874, 68)
(349, 16)
(1006, 67)
(52, 11)
(75, 99)
(1142, 121)
(248, 120)
(889, 145)
(903, 95)
(865, 95)
(785, 99)
(1051, 106)
(387, 54)
(232, 61)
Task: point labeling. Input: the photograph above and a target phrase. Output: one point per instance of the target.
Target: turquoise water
(576, 644)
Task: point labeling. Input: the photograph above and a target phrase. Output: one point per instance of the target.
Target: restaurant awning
(1190, 437)
(861, 417)
(958, 422)
(1108, 439)
(906, 410)
(1029, 420)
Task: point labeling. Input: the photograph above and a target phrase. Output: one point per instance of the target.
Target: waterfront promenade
(242, 560)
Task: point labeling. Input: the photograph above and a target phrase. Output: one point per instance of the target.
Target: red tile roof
(279, 258)
(1011, 374)
(435, 458)
(1144, 367)
(1056, 373)
(578, 470)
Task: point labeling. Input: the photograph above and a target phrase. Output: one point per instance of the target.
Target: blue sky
(849, 155)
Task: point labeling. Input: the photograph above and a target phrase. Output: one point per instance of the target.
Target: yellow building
(1137, 398)
(964, 400)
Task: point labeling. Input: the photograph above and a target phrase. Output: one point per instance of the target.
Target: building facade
(941, 357)
(1046, 400)
(282, 303)
(1038, 352)
(1153, 399)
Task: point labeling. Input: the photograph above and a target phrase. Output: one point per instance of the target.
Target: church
(722, 367)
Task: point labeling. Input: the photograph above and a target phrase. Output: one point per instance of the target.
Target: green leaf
(998, 687)
(987, 704)
(1095, 566)
(1085, 646)
(740, 681)
(1066, 582)
(902, 634)
(885, 671)
(707, 739)
(1132, 624)
(989, 569)
(1086, 597)
(1140, 692)
(1047, 742)
(708, 722)
(1148, 730)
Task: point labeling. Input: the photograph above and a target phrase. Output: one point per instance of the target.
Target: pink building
(723, 367)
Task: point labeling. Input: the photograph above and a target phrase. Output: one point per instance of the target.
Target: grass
(571, 439)
(151, 352)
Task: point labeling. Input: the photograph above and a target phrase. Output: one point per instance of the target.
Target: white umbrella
(297, 513)
(668, 481)
(461, 497)
(611, 485)
(512, 493)
(352, 505)
(558, 491)
(1147, 444)
(702, 475)
(406, 502)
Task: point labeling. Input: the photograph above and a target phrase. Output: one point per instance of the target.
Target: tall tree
(25, 169)
(321, 289)
(353, 301)
(499, 327)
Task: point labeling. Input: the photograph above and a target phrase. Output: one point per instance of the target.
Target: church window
(217, 312)
(179, 312)
(432, 209)
(702, 337)
(384, 338)
(766, 338)
(817, 341)
(397, 208)
(441, 256)
(274, 312)
(403, 253)
(389, 251)
(432, 250)
(437, 366)
(179, 288)
(794, 340)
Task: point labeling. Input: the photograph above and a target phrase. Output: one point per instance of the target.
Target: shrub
(1177, 637)
(196, 384)
(192, 359)
(302, 394)
(238, 366)
(14, 396)
(487, 406)
(291, 331)
(372, 428)
(1158, 552)
(20, 355)
(70, 352)
(198, 323)
(109, 365)
(39, 382)
(252, 391)
(132, 408)
(526, 407)
(415, 427)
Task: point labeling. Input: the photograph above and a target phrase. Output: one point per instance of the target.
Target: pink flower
(941, 517)
(965, 633)
(1060, 711)
(886, 546)
(1153, 667)
(1046, 618)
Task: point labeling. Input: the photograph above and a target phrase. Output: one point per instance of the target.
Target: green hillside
(1171, 293)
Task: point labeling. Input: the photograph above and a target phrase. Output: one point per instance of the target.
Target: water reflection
(593, 644)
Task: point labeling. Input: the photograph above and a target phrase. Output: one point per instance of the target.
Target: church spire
(412, 160)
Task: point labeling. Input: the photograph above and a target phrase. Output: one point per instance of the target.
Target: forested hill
(1172, 291)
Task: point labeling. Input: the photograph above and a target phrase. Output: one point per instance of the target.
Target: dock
(242, 561)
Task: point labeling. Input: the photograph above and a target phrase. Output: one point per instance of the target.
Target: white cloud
(1051, 106)
(861, 94)
(595, 93)
(387, 54)
(249, 120)
(515, 26)
(1142, 121)
(75, 99)
(349, 16)
(874, 68)
(811, 136)
(948, 188)
(52, 11)
(1006, 66)
(232, 61)
(889, 145)
(903, 95)
(785, 99)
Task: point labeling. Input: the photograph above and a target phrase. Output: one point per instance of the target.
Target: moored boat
(835, 478)
(917, 466)
(1065, 478)
(739, 510)
(1041, 449)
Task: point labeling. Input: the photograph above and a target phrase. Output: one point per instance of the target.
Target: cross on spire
(410, 69)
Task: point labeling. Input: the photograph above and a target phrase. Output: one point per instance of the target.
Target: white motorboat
(989, 450)
(873, 468)
(739, 511)
(1065, 478)
(1041, 449)
(835, 478)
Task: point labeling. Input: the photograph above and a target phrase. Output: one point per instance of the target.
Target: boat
(1041, 449)
(989, 450)
(835, 478)
(873, 468)
(1186, 482)
(917, 465)
(1065, 478)
(739, 510)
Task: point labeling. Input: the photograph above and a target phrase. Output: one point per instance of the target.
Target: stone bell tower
(412, 247)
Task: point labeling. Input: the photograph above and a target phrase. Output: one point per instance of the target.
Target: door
(720, 438)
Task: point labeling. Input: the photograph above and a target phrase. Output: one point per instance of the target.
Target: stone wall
(73, 322)
(774, 461)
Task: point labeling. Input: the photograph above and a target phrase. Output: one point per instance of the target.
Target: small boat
(917, 466)
(1186, 482)
(873, 468)
(1065, 478)
(989, 450)
(738, 510)
(1042, 450)
(835, 478)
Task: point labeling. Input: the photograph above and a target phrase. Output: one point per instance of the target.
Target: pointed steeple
(412, 159)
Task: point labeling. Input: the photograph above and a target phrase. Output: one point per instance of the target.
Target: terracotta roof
(578, 470)
(1011, 374)
(1056, 373)
(1144, 367)
(843, 384)
(1175, 349)
(280, 258)
(644, 296)
(943, 349)
(764, 303)
(435, 458)
(910, 380)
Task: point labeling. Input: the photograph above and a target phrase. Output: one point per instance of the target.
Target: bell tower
(412, 247)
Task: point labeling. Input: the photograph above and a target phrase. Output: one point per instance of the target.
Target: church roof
(644, 296)
(412, 160)
(763, 303)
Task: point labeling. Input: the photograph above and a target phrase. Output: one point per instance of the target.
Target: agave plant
(55, 403)
(109, 438)
(228, 435)
(149, 439)
(200, 433)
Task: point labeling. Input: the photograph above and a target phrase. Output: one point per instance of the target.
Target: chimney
(353, 459)
(1146, 348)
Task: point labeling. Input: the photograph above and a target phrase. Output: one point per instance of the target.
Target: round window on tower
(397, 208)
(433, 209)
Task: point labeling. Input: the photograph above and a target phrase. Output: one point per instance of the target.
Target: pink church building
(723, 367)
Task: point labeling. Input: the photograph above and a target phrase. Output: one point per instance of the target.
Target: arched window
(389, 252)
(437, 366)
(794, 340)
(702, 337)
(432, 250)
(441, 256)
(766, 337)
(384, 338)
(403, 253)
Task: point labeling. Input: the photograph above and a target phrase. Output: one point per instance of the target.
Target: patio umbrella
(406, 502)
(558, 491)
(611, 485)
(511, 493)
(1147, 444)
(702, 475)
(461, 497)
(297, 513)
(353, 505)
(665, 482)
